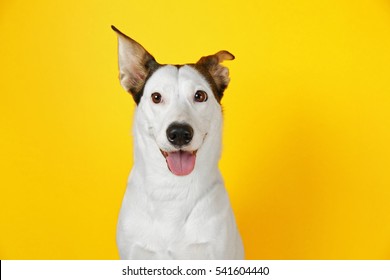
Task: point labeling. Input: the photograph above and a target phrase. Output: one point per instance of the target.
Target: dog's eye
(200, 96)
(156, 97)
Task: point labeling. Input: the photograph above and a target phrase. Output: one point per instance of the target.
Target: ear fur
(135, 64)
(218, 72)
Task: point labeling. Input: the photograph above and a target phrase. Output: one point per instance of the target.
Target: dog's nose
(179, 134)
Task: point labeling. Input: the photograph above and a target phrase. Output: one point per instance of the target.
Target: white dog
(176, 205)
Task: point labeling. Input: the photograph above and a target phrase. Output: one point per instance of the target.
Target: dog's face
(180, 105)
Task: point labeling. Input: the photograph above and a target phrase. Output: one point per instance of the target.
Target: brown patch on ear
(218, 72)
(135, 65)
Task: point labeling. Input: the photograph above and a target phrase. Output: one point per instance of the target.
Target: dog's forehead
(173, 76)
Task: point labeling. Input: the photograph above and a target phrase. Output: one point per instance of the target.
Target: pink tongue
(181, 163)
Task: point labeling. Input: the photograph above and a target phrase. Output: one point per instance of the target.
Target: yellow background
(306, 155)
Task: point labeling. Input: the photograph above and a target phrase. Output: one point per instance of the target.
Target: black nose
(179, 134)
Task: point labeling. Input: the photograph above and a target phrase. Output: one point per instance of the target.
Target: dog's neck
(151, 174)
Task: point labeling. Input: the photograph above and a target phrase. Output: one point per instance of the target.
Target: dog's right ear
(218, 72)
(135, 64)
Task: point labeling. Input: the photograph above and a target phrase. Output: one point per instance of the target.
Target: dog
(175, 205)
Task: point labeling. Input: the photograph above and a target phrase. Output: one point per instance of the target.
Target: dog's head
(180, 104)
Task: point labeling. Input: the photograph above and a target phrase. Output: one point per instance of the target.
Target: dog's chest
(171, 222)
(171, 229)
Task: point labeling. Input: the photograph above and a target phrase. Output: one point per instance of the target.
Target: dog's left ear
(218, 72)
(135, 64)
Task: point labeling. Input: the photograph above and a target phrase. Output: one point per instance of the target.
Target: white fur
(164, 216)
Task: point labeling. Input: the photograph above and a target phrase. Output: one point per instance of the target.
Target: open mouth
(180, 162)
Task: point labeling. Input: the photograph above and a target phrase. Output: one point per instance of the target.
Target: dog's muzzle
(180, 162)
